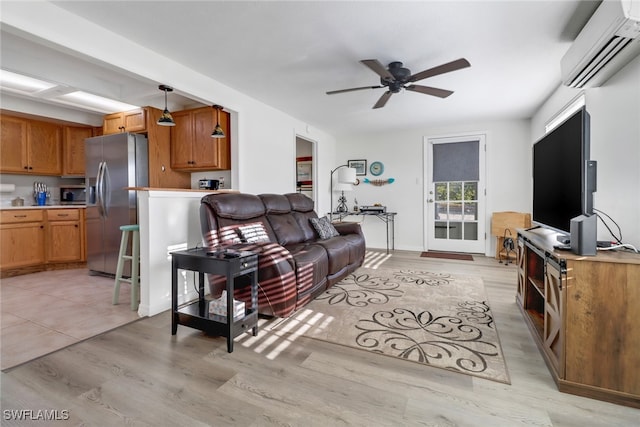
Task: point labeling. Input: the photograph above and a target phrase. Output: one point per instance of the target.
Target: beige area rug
(435, 319)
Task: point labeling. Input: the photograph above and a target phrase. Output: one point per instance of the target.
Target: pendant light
(217, 132)
(166, 119)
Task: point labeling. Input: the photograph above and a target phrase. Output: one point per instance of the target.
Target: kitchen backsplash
(24, 188)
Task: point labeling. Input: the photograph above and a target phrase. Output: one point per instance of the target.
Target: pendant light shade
(217, 132)
(166, 119)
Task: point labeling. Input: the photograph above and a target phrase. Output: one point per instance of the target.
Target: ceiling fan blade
(333, 92)
(377, 68)
(427, 90)
(440, 69)
(383, 99)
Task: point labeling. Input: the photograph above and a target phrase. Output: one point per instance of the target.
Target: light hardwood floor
(140, 374)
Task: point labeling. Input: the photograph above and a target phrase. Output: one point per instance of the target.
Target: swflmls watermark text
(35, 414)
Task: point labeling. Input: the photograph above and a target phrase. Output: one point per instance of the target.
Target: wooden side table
(504, 224)
(195, 314)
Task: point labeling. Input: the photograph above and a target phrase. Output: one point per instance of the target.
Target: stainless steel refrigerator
(113, 162)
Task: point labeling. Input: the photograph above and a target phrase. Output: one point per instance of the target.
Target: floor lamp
(346, 177)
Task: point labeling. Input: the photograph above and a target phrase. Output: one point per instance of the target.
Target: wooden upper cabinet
(181, 135)
(30, 146)
(161, 175)
(126, 121)
(223, 145)
(45, 148)
(13, 145)
(192, 147)
(73, 149)
(203, 149)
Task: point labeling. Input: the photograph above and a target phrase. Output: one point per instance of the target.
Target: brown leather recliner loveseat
(295, 263)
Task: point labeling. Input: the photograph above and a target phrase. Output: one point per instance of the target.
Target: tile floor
(44, 312)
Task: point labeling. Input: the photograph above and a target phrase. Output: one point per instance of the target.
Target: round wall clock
(376, 168)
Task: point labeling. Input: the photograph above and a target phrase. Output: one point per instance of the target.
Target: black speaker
(583, 235)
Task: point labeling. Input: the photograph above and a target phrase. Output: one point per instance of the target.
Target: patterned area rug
(435, 319)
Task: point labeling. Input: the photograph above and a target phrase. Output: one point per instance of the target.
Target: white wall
(264, 161)
(508, 168)
(615, 144)
(263, 145)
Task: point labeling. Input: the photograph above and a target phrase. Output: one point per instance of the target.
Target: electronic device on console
(564, 180)
(373, 208)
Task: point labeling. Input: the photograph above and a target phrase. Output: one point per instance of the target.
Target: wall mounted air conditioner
(607, 43)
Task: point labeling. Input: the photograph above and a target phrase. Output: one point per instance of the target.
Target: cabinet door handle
(19, 216)
(62, 215)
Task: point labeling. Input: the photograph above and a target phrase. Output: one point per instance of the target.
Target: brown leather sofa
(294, 264)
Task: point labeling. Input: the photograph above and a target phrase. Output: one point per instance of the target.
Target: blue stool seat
(134, 258)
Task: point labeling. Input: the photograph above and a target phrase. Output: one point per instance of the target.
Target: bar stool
(134, 258)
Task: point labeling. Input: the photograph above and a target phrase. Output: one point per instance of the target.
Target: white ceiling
(289, 53)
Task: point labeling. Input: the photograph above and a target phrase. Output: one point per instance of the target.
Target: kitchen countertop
(43, 207)
(189, 190)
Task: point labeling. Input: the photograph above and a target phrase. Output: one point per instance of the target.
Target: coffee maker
(209, 184)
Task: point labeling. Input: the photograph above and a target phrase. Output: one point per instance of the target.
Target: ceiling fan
(396, 77)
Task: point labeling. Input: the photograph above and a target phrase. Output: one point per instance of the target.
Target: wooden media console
(583, 314)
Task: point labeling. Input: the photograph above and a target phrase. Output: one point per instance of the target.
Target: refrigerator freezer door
(94, 225)
(117, 157)
(125, 164)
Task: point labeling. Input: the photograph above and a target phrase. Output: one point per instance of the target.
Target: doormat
(447, 255)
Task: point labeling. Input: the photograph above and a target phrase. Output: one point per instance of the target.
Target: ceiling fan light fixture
(166, 119)
(397, 77)
(217, 131)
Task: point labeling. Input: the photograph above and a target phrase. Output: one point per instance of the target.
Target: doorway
(455, 193)
(305, 168)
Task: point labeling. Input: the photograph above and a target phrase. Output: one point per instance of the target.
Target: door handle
(106, 182)
(99, 189)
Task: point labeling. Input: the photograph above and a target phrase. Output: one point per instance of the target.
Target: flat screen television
(563, 175)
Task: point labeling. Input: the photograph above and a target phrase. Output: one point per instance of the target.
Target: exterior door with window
(455, 196)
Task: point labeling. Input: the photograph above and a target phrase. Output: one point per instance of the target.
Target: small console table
(195, 314)
(582, 312)
(387, 217)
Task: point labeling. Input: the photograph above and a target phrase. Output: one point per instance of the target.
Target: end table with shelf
(195, 314)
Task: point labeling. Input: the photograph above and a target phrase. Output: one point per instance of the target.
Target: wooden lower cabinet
(41, 239)
(22, 238)
(64, 235)
(582, 312)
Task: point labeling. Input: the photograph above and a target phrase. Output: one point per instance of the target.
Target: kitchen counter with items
(183, 190)
(43, 207)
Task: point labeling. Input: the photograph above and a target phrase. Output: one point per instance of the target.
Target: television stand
(582, 314)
